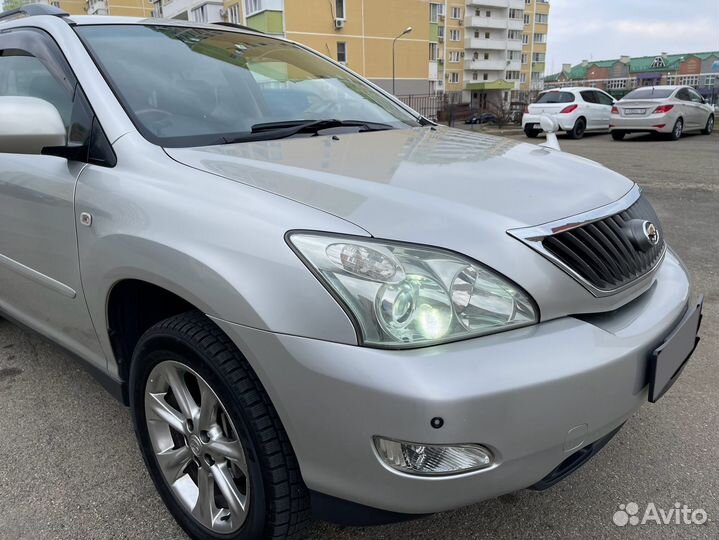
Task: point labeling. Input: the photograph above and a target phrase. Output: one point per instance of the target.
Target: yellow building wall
(530, 48)
(370, 27)
(119, 8)
(74, 7)
(451, 67)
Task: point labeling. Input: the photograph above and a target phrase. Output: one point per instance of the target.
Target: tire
(196, 355)
(677, 130)
(618, 135)
(531, 133)
(710, 125)
(577, 132)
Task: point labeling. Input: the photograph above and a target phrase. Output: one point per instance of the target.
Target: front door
(39, 270)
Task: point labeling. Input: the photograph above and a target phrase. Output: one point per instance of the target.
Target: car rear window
(650, 92)
(556, 97)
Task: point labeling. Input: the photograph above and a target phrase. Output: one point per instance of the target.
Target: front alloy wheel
(210, 436)
(677, 130)
(197, 447)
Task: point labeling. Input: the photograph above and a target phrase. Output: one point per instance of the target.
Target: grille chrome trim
(535, 236)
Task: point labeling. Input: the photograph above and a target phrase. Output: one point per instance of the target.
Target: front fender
(215, 243)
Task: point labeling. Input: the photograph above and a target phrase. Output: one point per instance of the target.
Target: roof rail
(31, 10)
(238, 26)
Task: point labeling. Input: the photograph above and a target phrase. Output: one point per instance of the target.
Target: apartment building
(534, 44)
(120, 8)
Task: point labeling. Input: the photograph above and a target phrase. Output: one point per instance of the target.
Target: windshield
(650, 93)
(556, 97)
(193, 87)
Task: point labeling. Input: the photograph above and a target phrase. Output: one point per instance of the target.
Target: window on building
(526, 19)
(525, 39)
(541, 18)
(342, 52)
(515, 13)
(487, 35)
(512, 75)
(234, 15)
(475, 56)
(689, 80)
(514, 34)
(454, 77)
(440, 33)
(616, 84)
(434, 13)
(536, 75)
(538, 57)
(252, 6)
(522, 77)
(658, 62)
(433, 51)
(456, 13)
(485, 76)
(512, 55)
(199, 14)
(524, 58)
(540, 38)
(709, 80)
(527, 2)
(340, 11)
(454, 56)
(488, 13)
(454, 35)
(475, 76)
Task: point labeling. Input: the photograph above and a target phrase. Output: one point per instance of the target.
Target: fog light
(432, 459)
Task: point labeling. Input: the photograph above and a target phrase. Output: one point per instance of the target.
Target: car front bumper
(534, 396)
(644, 123)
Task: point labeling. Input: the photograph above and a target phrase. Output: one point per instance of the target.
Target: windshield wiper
(281, 130)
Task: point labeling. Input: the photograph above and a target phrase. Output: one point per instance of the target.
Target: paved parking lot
(70, 469)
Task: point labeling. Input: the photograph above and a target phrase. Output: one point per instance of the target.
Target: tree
(8, 5)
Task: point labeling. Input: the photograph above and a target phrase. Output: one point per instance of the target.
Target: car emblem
(651, 232)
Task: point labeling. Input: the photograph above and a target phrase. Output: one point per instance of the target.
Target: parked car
(483, 118)
(576, 109)
(661, 109)
(327, 306)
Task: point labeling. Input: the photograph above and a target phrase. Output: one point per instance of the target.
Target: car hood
(450, 188)
(417, 177)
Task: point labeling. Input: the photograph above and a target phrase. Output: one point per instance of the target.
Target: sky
(607, 29)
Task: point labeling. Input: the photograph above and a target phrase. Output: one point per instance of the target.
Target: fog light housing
(432, 459)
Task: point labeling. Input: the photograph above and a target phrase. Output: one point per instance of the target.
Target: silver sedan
(661, 109)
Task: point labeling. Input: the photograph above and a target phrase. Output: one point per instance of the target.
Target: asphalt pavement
(70, 468)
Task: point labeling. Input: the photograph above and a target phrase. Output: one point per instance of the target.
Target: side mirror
(28, 125)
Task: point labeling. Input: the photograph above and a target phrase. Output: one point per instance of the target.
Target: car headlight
(404, 295)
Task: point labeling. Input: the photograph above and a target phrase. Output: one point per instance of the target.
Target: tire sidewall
(578, 133)
(674, 134)
(161, 346)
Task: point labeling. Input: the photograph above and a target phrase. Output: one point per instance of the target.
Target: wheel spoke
(208, 408)
(164, 411)
(235, 500)
(173, 462)
(179, 389)
(228, 449)
(204, 510)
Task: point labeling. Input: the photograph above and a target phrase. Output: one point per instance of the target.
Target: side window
(683, 94)
(588, 96)
(604, 99)
(696, 98)
(24, 75)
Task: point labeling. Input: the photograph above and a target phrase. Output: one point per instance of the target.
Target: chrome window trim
(533, 237)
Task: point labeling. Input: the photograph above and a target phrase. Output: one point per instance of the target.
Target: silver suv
(311, 298)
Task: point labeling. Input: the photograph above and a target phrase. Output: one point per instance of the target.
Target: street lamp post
(404, 33)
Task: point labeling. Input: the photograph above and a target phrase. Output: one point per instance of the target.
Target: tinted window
(683, 94)
(695, 97)
(556, 97)
(603, 98)
(650, 92)
(193, 86)
(25, 75)
(589, 96)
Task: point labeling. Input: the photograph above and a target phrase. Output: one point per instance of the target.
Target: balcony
(493, 44)
(485, 65)
(515, 4)
(472, 21)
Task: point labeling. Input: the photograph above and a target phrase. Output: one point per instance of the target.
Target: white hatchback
(576, 109)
